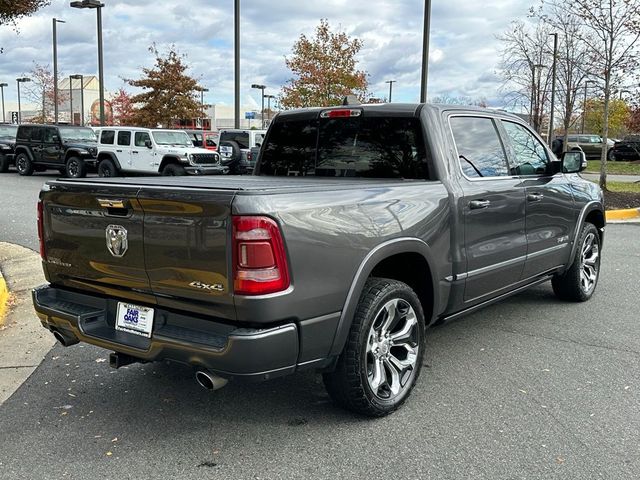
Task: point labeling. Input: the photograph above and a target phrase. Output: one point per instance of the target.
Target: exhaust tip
(210, 381)
(65, 340)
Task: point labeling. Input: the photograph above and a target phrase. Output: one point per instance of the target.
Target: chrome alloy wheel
(21, 163)
(589, 263)
(392, 349)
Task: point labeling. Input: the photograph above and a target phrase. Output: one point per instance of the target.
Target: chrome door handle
(535, 197)
(478, 204)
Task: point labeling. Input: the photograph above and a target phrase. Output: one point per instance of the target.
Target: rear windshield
(371, 147)
(8, 131)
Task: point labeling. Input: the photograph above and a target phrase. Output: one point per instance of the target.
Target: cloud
(463, 52)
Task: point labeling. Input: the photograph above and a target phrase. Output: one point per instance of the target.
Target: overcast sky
(463, 58)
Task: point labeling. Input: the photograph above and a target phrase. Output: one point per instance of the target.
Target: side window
(140, 138)
(107, 137)
(49, 133)
(530, 155)
(242, 139)
(37, 134)
(124, 138)
(480, 150)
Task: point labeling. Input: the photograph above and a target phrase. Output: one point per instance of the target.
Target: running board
(469, 310)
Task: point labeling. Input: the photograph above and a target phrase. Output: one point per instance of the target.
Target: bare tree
(524, 67)
(40, 91)
(571, 60)
(611, 34)
(461, 100)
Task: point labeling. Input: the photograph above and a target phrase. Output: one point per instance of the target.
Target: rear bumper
(252, 354)
(206, 170)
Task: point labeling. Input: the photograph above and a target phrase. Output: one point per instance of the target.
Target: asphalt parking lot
(528, 388)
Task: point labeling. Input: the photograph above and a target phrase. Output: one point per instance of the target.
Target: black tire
(611, 156)
(232, 159)
(350, 385)
(572, 285)
(24, 165)
(76, 168)
(4, 164)
(173, 170)
(107, 168)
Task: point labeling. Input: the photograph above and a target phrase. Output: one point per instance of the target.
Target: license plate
(134, 319)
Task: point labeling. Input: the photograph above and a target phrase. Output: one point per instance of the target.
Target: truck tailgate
(186, 256)
(93, 238)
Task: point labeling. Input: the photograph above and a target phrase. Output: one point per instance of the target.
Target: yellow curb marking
(623, 214)
(4, 298)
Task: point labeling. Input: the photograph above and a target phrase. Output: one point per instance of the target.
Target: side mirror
(573, 161)
(148, 144)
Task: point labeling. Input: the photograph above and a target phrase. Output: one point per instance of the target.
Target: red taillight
(41, 231)
(341, 113)
(259, 260)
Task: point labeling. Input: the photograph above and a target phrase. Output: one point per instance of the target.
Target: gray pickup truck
(361, 226)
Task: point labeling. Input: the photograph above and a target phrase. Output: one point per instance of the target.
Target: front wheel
(173, 170)
(383, 356)
(24, 165)
(611, 156)
(579, 282)
(107, 168)
(76, 168)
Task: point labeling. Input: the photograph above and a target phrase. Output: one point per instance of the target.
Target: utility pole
(425, 50)
(55, 70)
(236, 46)
(390, 82)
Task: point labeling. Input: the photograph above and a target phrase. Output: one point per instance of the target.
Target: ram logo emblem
(117, 242)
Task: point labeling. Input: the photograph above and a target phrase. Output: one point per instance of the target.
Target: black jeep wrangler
(71, 150)
(7, 146)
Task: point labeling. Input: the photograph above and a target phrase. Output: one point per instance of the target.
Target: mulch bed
(621, 200)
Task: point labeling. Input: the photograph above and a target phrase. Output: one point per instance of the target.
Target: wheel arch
(408, 260)
(24, 150)
(592, 212)
(108, 156)
(166, 160)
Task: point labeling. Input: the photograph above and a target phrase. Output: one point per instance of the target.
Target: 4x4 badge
(117, 242)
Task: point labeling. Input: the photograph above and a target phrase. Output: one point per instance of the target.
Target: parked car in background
(628, 149)
(7, 146)
(68, 149)
(150, 151)
(591, 145)
(236, 148)
(204, 138)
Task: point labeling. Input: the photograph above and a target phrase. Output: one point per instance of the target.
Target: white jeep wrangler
(135, 150)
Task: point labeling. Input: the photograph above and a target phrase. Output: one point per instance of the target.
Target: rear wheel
(611, 156)
(24, 165)
(173, 170)
(76, 168)
(383, 355)
(107, 168)
(579, 282)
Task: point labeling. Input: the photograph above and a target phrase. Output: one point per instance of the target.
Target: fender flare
(373, 258)
(594, 205)
(25, 150)
(104, 155)
(169, 159)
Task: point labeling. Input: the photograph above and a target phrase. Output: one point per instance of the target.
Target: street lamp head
(261, 87)
(204, 89)
(77, 76)
(87, 4)
(23, 79)
(2, 85)
(57, 20)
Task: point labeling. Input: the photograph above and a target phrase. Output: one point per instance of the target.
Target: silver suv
(239, 148)
(150, 151)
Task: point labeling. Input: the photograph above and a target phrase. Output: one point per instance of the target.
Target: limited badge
(117, 242)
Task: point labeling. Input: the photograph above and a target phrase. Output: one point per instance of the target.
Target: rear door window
(374, 147)
(480, 151)
(37, 134)
(124, 138)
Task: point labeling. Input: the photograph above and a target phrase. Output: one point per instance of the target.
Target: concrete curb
(4, 298)
(628, 214)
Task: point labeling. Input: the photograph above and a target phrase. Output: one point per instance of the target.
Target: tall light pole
(584, 104)
(2, 85)
(96, 4)
(390, 82)
(55, 70)
(77, 76)
(269, 97)
(261, 87)
(19, 81)
(553, 87)
(425, 50)
(202, 90)
(71, 119)
(236, 61)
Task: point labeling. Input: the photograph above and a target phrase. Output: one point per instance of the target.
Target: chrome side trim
(546, 250)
